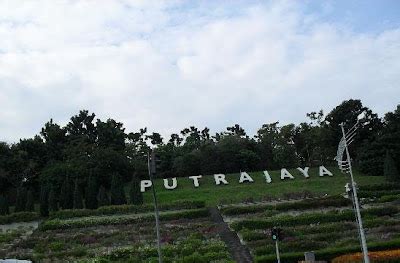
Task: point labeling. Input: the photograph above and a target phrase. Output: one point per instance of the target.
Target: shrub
(135, 195)
(117, 191)
(4, 208)
(30, 201)
(91, 194)
(19, 217)
(102, 197)
(377, 256)
(78, 200)
(21, 200)
(389, 169)
(44, 201)
(66, 195)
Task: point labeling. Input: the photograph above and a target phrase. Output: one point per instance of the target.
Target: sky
(167, 65)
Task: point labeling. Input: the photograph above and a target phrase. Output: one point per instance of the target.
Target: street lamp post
(345, 166)
(151, 168)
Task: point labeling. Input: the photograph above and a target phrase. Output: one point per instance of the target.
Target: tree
(4, 208)
(78, 202)
(117, 190)
(390, 170)
(21, 200)
(30, 201)
(135, 195)
(91, 194)
(66, 195)
(102, 197)
(44, 201)
(53, 204)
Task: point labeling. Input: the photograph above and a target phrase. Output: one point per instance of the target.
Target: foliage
(19, 217)
(91, 194)
(117, 193)
(390, 170)
(135, 195)
(78, 200)
(44, 201)
(4, 208)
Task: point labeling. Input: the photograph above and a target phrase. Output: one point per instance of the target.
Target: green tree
(102, 197)
(53, 204)
(21, 200)
(390, 170)
(66, 195)
(135, 196)
(44, 200)
(4, 208)
(78, 202)
(91, 194)
(30, 201)
(117, 190)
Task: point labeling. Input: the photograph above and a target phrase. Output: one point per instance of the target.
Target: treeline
(87, 155)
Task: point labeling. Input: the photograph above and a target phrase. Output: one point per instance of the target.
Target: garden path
(239, 252)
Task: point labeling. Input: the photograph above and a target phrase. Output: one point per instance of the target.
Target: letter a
(245, 177)
(323, 171)
(285, 174)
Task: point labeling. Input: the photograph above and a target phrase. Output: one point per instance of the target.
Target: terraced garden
(313, 214)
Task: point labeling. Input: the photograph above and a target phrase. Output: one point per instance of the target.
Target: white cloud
(166, 66)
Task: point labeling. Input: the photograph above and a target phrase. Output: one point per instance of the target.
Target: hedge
(332, 201)
(126, 209)
(305, 219)
(88, 222)
(329, 254)
(19, 217)
(377, 194)
(380, 187)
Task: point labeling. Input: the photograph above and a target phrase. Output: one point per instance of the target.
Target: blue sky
(167, 65)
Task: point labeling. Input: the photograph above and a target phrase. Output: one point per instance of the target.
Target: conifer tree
(30, 201)
(91, 194)
(78, 202)
(117, 191)
(390, 170)
(44, 201)
(136, 197)
(20, 200)
(53, 204)
(102, 197)
(66, 195)
(4, 208)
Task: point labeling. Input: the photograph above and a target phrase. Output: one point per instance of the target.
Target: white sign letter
(267, 177)
(323, 171)
(144, 184)
(245, 177)
(170, 187)
(285, 174)
(220, 178)
(304, 171)
(195, 180)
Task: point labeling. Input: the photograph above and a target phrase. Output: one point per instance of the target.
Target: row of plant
(19, 217)
(380, 187)
(89, 222)
(332, 201)
(377, 194)
(195, 248)
(387, 256)
(127, 209)
(330, 253)
(311, 218)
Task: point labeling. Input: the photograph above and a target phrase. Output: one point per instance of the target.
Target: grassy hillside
(259, 190)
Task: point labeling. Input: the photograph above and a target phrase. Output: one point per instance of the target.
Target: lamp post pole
(355, 199)
(151, 168)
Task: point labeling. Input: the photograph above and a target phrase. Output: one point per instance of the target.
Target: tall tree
(30, 201)
(78, 200)
(44, 200)
(4, 208)
(53, 203)
(117, 190)
(102, 197)
(21, 200)
(390, 170)
(66, 195)
(135, 196)
(91, 193)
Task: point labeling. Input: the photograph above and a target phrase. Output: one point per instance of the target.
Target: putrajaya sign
(172, 183)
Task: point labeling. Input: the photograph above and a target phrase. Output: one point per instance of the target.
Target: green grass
(259, 190)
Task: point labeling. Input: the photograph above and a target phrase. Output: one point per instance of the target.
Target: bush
(88, 222)
(19, 217)
(377, 256)
(127, 209)
(4, 208)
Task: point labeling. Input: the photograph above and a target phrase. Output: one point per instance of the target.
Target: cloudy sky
(166, 65)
